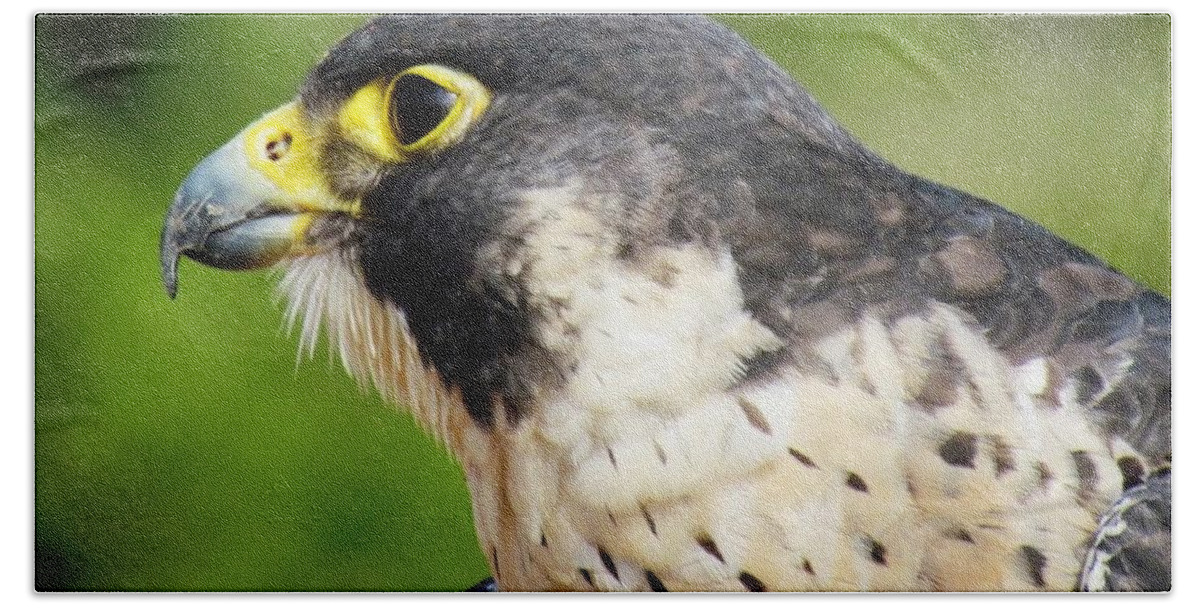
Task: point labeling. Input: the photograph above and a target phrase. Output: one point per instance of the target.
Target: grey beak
(225, 215)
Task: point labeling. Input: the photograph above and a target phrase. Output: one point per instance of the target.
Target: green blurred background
(179, 445)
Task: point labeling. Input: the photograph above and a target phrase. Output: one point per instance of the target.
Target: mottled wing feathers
(902, 245)
(1108, 339)
(1132, 547)
(859, 236)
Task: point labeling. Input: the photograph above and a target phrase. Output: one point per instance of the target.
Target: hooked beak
(255, 201)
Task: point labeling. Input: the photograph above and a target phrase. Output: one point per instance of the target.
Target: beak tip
(169, 256)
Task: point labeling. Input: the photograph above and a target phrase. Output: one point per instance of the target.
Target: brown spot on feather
(655, 583)
(754, 415)
(608, 562)
(1044, 475)
(959, 450)
(972, 268)
(1133, 472)
(876, 551)
(889, 209)
(939, 390)
(826, 241)
(870, 268)
(855, 482)
(587, 576)
(706, 542)
(941, 386)
(1002, 456)
(1035, 565)
(649, 521)
(1086, 472)
(961, 534)
(665, 275)
(751, 582)
(1075, 287)
(804, 460)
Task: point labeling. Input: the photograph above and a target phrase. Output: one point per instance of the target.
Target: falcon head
(438, 177)
(623, 260)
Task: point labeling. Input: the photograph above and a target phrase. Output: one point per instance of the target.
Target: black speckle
(940, 389)
(1002, 456)
(1035, 565)
(1088, 384)
(662, 455)
(856, 482)
(1085, 470)
(587, 576)
(1044, 474)
(876, 551)
(649, 521)
(961, 534)
(751, 582)
(959, 450)
(754, 415)
(763, 363)
(1132, 471)
(655, 583)
(804, 460)
(612, 458)
(706, 542)
(544, 544)
(625, 251)
(808, 567)
(607, 560)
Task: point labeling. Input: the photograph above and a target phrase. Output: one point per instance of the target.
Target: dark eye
(418, 106)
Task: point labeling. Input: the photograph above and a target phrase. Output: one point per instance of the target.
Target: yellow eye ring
(372, 119)
(470, 98)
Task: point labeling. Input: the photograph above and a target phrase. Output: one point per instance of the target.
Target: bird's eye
(421, 110)
(418, 107)
(431, 106)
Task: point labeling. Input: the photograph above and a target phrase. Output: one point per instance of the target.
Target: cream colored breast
(920, 458)
(902, 455)
(802, 483)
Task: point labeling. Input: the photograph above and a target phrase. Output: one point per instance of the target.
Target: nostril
(278, 146)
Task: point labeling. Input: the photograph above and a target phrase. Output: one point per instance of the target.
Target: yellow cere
(281, 146)
(364, 121)
(300, 244)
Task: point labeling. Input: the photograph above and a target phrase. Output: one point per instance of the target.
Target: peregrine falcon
(683, 331)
